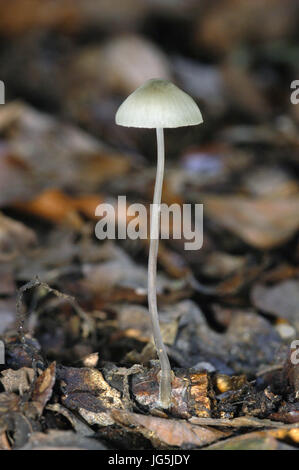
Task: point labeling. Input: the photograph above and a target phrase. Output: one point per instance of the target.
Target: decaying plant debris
(80, 367)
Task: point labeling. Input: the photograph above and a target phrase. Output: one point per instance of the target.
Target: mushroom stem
(166, 375)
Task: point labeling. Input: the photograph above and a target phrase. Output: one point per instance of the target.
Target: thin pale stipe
(166, 374)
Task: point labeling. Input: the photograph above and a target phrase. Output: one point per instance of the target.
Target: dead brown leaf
(56, 206)
(15, 238)
(281, 300)
(242, 421)
(128, 61)
(86, 391)
(21, 16)
(17, 380)
(61, 440)
(70, 157)
(120, 278)
(168, 432)
(192, 394)
(43, 387)
(244, 91)
(263, 223)
(249, 341)
(259, 440)
(232, 22)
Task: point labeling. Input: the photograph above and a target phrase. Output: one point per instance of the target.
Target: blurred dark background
(67, 65)
(79, 59)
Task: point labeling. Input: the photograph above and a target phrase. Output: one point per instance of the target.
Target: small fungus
(158, 104)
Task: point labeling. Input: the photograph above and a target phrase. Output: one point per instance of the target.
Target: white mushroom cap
(158, 103)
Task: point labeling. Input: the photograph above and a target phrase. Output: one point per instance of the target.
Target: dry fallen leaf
(128, 61)
(244, 91)
(86, 391)
(57, 207)
(120, 278)
(281, 300)
(43, 387)
(169, 432)
(259, 440)
(70, 156)
(263, 223)
(191, 392)
(17, 380)
(15, 238)
(248, 342)
(21, 16)
(230, 23)
(61, 440)
(242, 421)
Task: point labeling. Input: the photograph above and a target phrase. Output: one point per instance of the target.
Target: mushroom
(158, 104)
